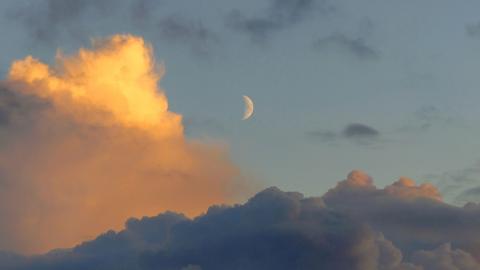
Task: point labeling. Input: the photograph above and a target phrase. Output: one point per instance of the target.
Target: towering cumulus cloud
(354, 226)
(89, 142)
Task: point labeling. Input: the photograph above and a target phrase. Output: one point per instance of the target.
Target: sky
(386, 87)
(405, 69)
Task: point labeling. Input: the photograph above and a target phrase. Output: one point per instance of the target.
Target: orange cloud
(103, 147)
(118, 77)
(406, 188)
(359, 183)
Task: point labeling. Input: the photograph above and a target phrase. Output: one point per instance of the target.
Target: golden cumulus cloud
(101, 147)
(118, 77)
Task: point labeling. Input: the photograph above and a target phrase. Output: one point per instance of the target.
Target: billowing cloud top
(89, 142)
(354, 226)
(404, 188)
(118, 77)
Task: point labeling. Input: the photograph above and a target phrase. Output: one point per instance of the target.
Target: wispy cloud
(357, 47)
(355, 132)
(51, 20)
(473, 30)
(48, 19)
(280, 15)
(429, 116)
(460, 186)
(184, 31)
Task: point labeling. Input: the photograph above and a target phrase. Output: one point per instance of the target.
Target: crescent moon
(248, 108)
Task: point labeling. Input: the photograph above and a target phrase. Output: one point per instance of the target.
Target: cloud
(427, 117)
(92, 139)
(411, 216)
(48, 19)
(274, 230)
(444, 257)
(355, 225)
(459, 186)
(142, 11)
(358, 183)
(406, 188)
(14, 107)
(354, 46)
(183, 31)
(51, 20)
(473, 30)
(471, 194)
(279, 15)
(355, 132)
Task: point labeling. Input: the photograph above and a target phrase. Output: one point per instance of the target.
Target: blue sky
(407, 70)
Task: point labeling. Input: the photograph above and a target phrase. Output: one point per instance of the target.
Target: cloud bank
(89, 142)
(354, 226)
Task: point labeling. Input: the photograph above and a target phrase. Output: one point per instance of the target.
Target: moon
(248, 108)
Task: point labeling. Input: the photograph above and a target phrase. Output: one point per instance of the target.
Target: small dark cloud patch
(428, 117)
(16, 109)
(473, 30)
(460, 186)
(45, 20)
(431, 115)
(355, 132)
(355, 46)
(472, 194)
(280, 14)
(184, 31)
(142, 11)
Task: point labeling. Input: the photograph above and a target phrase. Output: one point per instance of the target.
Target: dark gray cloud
(45, 20)
(184, 31)
(444, 257)
(355, 132)
(279, 15)
(471, 194)
(16, 109)
(411, 216)
(143, 11)
(460, 186)
(355, 46)
(353, 226)
(429, 116)
(473, 30)
(52, 20)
